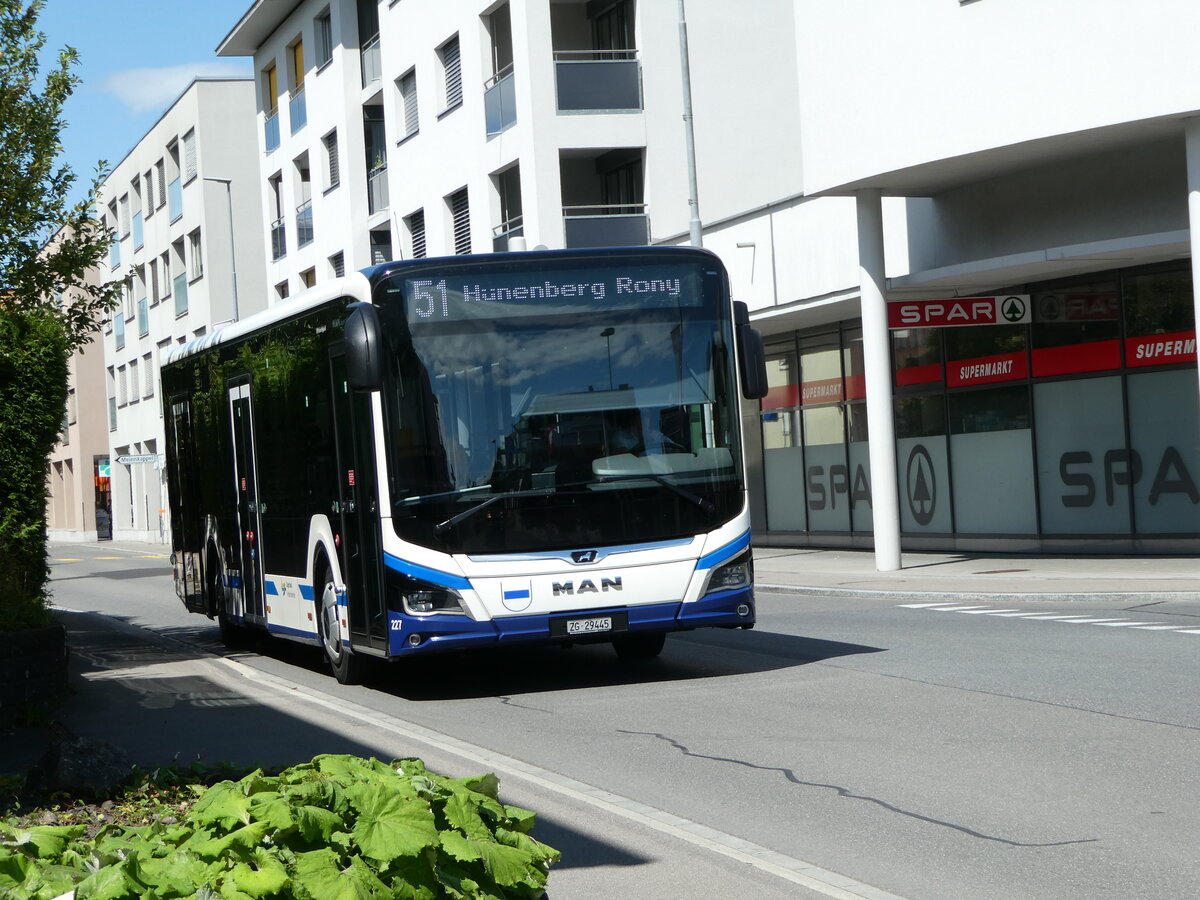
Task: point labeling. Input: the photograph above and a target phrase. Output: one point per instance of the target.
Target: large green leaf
(224, 804)
(462, 812)
(507, 865)
(317, 824)
(239, 843)
(390, 825)
(47, 841)
(265, 877)
(274, 809)
(320, 876)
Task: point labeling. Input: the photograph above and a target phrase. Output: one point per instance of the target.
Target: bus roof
(354, 285)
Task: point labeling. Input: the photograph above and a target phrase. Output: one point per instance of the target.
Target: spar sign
(1004, 309)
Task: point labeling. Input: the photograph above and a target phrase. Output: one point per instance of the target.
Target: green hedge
(34, 357)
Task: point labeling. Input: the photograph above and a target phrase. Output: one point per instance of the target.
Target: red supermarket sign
(1005, 309)
(987, 369)
(1160, 349)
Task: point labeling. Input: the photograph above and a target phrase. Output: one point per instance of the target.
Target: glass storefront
(1083, 424)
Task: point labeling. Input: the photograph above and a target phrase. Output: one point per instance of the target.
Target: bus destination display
(502, 294)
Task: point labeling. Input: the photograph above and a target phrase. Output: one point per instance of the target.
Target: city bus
(436, 454)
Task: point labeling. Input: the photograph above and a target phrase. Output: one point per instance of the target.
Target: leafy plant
(337, 828)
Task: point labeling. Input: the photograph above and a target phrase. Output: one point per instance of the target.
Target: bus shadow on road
(507, 671)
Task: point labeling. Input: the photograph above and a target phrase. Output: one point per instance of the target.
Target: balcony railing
(500, 101)
(271, 130)
(372, 62)
(138, 233)
(377, 189)
(297, 109)
(181, 295)
(175, 199)
(505, 231)
(278, 239)
(609, 225)
(598, 80)
(304, 224)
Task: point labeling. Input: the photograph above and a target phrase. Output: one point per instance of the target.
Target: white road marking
(955, 608)
(1122, 624)
(797, 871)
(1069, 619)
(1157, 627)
(1189, 631)
(919, 605)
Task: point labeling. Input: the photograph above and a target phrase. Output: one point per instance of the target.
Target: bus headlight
(737, 573)
(422, 598)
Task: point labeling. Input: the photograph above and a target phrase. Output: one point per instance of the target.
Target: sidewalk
(978, 576)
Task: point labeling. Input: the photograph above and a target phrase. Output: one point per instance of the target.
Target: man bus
(449, 453)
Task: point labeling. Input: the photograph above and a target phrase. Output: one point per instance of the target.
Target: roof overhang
(936, 177)
(257, 24)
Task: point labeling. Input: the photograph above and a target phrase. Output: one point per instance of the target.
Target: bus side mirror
(752, 360)
(364, 349)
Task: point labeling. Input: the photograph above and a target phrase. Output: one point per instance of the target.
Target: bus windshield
(520, 417)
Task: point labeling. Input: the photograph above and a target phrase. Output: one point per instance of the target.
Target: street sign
(1003, 309)
(143, 458)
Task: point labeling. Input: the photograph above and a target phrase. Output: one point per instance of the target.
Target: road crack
(846, 793)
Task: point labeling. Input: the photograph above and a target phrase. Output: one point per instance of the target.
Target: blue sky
(136, 57)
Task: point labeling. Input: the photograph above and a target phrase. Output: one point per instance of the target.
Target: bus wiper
(443, 527)
(704, 503)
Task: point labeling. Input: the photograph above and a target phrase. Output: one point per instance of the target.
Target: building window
(148, 193)
(406, 85)
(152, 282)
(416, 234)
(148, 375)
(165, 268)
(195, 254)
(133, 381)
(189, 156)
(381, 246)
(160, 171)
(323, 31)
(333, 166)
(180, 287)
(297, 107)
(281, 290)
(448, 53)
(337, 264)
(460, 215)
(122, 386)
(125, 216)
(309, 277)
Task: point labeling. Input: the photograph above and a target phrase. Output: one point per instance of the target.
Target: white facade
(184, 207)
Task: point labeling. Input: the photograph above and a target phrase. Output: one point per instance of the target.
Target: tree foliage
(47, 307)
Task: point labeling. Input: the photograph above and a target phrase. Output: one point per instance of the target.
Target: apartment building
(397, 130)
(186, 212)
(77, 504)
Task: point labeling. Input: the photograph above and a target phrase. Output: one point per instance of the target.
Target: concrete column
(1192, 143)
(877, 361)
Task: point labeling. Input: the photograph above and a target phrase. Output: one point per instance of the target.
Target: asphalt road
(930, 752)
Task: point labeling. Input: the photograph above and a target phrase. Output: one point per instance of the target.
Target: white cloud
(149, 90)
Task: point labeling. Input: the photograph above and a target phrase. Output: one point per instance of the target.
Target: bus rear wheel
(347, 668)
(639, 645)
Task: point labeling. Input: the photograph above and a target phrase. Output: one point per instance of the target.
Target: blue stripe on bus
(724, 553)
(442, 579)
(307, 592)
(272, 588)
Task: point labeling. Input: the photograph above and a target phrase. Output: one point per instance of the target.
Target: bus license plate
(590, 626)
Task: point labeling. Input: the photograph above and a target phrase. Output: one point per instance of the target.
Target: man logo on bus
(582, 557)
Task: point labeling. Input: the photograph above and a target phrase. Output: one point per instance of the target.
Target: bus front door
(358, 504)
(248, 537)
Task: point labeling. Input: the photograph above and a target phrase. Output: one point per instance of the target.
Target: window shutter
(461, 212)
(189, 156)
(331, 152)
(416, 228)
(408, 93)
(452, 64)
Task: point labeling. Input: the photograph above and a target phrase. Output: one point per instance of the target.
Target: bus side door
(248, 539)
(358, 502)
(186, 530)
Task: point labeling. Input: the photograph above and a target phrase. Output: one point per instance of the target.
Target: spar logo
(1006, 309)
(921, 486)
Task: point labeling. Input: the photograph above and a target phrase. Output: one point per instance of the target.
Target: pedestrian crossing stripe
(1035, 616)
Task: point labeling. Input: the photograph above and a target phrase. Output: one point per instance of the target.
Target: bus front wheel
(345, 665)
(639, 645)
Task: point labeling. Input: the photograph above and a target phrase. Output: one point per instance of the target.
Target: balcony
(598, 81)
(626, 225)
(175, 199)
(271, 130)
(500, 101)
(304, 224)
(138, 232)
(371, 61)
(297, 109)
(505, 232)
(181, 294)
(278, 239)
(377, 190)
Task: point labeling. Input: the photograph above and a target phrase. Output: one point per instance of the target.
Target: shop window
(783, 458)
(985, 354)
(828, 481)
(1164, 423)
(1160, 320)
(1076, 329)
(923, 464)
(1083, 465)
(917, 356)
(991, 461)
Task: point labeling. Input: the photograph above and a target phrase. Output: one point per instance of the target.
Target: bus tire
(639, 645)
(347, 668)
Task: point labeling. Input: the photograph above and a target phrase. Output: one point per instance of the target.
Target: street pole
(694, 229)
(232, 244)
